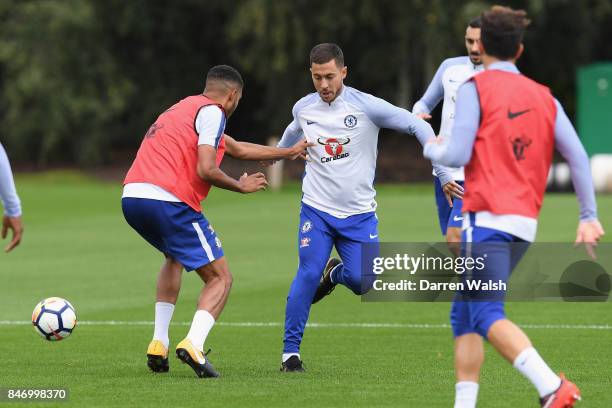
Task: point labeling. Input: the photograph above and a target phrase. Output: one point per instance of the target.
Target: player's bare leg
(168, 287)
(453, 240)
(469, 356)
(508, 339)
(169, 281)
(217, 284)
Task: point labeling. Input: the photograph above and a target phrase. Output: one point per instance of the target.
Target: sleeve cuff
(443, 175)
(420, 107)
(13, 211)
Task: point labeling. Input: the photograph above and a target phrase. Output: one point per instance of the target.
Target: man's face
(327, 79)
(472, 44)
(232, 101)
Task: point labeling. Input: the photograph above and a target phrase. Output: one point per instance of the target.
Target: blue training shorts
(175, 229)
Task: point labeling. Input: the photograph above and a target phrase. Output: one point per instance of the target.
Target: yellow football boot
(196, 359)
(157, 357)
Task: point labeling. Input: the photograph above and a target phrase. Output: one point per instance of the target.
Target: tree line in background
(81, 80)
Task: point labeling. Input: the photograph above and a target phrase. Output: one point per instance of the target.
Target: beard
(476, 59)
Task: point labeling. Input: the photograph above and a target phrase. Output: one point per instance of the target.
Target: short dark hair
(224, 73)
(502, 31)
(325, 52)
(475, 22)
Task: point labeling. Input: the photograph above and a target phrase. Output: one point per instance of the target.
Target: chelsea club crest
(350, 121)
(307, 226)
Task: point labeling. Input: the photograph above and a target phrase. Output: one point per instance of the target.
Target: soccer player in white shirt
(10, 200)
(338, 205)
(444, 85)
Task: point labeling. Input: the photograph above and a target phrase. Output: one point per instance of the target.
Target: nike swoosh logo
(452, 80)
(310, 122)
(373, 236)
(456, 219)
(512, 115)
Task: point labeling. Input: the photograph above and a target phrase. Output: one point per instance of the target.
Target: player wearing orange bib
(505, 131)
(175, 167)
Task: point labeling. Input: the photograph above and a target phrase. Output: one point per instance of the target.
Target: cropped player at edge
(11, 220)
(338, 205)
(505, 131)
(175, 167)
(449, 76)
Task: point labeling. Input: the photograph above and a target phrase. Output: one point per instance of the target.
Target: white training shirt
(450, 75)
(339, 178)
(8, 193)
(209, 124)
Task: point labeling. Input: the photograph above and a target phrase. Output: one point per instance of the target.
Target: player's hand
(298, 150)
(423, 115)
(589, 233)
(252, 183)
(13, 224)
(452, 190)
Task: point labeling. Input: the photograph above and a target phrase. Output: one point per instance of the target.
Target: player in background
(506, 128)
(175, 167)
(451, 73)
(338, 205)
(11, 219)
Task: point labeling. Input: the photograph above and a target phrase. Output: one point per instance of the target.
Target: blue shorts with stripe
(175, 229)
(449, 217)
(476, 311)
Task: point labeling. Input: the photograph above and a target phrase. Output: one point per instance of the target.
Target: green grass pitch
(78, 246)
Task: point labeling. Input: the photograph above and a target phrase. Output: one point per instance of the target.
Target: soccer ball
(54, 318)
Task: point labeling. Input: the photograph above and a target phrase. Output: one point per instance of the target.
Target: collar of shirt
(475, 67)
(504, 66)
(338, 97)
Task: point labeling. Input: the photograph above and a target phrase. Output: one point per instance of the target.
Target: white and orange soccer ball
(54, 318)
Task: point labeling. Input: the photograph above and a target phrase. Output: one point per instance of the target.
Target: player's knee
(309, 277)
(226, 276)
(217, 270)
(173, 263)
(228, 283)
(362, 284)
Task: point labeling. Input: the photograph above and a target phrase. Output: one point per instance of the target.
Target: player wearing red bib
(175, 167)
(506, 128)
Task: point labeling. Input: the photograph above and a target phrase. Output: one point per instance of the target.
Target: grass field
(78, 246)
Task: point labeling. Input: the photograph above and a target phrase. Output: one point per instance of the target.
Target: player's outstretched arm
(209, 171)
(568, 144)
(12, 206)
(388, 116)
(251, 151)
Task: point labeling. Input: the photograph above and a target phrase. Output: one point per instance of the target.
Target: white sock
(286, 356)
(200, 327)
(163, 315)
(466, 393)
(531, 365)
